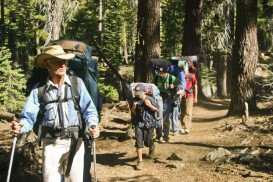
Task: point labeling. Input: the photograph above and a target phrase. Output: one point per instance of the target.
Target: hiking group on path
(67, 115)
(169, 97)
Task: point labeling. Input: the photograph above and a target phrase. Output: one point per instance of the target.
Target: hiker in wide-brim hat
(62, 114)
(55, 53)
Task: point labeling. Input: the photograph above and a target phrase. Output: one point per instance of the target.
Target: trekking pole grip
(93, 127)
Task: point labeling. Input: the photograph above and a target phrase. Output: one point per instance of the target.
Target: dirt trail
(117, 157)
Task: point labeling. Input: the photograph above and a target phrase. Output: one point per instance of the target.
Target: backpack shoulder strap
(74, 90)
(170, 79)
(76, 97)
(156, 80)
(41, 91)
(191, 77)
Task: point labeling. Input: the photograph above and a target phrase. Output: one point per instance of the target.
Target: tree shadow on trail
(145, 177)
(207, 120)
(198, 144)
(113, 135)
(121, 121)
(213, 105)
(114, 159)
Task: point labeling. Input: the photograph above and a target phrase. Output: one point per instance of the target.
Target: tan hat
(53, 51)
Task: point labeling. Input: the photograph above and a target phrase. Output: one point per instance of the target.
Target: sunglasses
(57, 62)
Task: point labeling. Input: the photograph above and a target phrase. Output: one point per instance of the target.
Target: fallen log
(6, 116)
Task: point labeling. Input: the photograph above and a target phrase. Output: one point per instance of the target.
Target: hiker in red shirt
(189, 98)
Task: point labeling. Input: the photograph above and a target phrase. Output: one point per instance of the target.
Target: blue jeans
(167, 106)
(175, 114)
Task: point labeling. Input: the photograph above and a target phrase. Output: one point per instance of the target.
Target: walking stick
(94, 155)
(12, 155)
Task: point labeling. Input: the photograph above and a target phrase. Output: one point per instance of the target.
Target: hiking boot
(183, 131)
(166, 139)
(151, 152)
(139, 165)
(157, 139)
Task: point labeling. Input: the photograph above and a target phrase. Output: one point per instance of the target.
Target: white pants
(53, 150)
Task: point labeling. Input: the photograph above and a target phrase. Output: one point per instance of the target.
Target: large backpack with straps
(81, 66)
(154, 92)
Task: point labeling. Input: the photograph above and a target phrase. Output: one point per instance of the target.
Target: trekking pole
(94, 155)
(12, 156)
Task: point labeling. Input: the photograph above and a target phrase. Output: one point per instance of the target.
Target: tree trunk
(192, 28)
(3, 28)
(245, 57)
(229, 59)
(124, 44)
(57, 20)
(22, 50)
(37, 42)
(148, 43)
(221, 66)
(192, 35)
(12, 39)
(6, 115)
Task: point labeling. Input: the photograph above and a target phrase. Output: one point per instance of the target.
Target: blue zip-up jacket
(174, 70)
(51, 117)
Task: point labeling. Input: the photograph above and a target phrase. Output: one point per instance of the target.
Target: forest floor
(238, 150)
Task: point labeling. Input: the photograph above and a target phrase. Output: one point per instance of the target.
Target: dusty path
(117, 157)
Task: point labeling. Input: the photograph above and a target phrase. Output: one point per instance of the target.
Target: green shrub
(108, 92)
(12, 82)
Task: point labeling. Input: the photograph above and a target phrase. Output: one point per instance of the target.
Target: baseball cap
(139, 89)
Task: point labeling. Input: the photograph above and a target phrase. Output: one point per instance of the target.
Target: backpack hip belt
(189, 91)
(166, 96)
(49, 132)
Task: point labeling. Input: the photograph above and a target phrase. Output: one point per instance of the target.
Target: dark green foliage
(265, 26)
(20, 21)
(118, 32)
(172, 21)
(12, 82)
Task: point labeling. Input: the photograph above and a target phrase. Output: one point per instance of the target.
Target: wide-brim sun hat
(54, 51)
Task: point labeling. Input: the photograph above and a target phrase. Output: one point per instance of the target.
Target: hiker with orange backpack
(62, 130)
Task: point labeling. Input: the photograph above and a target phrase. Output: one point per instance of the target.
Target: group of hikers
(167, 101)
(69, 116)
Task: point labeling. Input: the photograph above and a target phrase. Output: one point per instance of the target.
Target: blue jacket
(51, 117)
(174, 70)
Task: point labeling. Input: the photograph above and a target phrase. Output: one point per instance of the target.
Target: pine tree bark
(229, 61)
(57, 20)
(245, 57)
(12, 39)
(192, 35)
(3, 28)
(221, 78)
(192, 28)
(148, 43)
